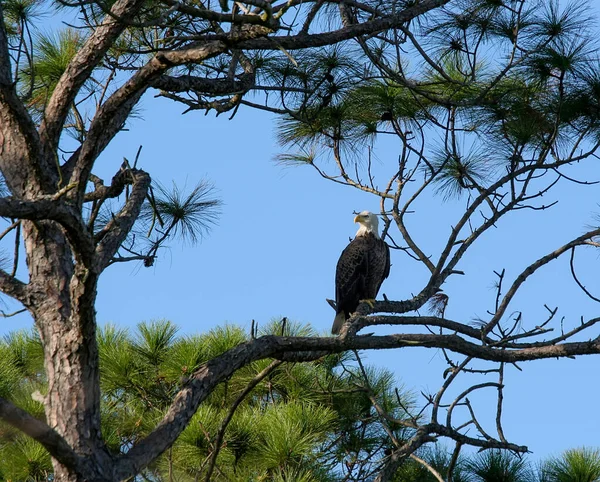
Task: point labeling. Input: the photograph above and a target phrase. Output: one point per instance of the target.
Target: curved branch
(110, 118)
(117, 229)
(304, 40)
(387, 306)
(42, 433)
(398, 456)
(19, 141)
(579, 283)
(431, 470)
(532, 268)
(457, 400)
(216, 370)
(80, 68)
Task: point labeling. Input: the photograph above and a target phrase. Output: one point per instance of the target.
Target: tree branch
(114, 112)
(80, 68)
(398, 456)
(386, 306)
(5, 70)
(11, 286)
(42, 433)
(532, 268)
(304, 40)
(55, 209)
(186, 83)
(19, 141)
(117, 229)
(207, 14)
(216, 370)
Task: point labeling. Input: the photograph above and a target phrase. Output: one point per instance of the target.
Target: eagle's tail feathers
(339, 321)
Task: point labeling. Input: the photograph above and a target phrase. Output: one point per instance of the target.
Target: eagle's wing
(350, 275)
(386, 271)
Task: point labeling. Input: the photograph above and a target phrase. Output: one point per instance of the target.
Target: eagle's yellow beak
(358, 218)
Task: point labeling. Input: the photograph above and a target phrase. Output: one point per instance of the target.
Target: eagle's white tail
(340, 319)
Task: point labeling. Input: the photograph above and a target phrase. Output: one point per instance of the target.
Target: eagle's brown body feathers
(360, 271)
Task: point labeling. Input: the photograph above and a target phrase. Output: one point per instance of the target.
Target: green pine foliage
(299, 422)
(24, 459)
(21, 376)
(18, 14)
(515, 84)
(499, 466)
(574, 465)
(52, 55)
(312, 422)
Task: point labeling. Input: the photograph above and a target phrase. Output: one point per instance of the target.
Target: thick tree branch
(213, 372)
(114, 112)
(304, 40)
(11, 286)
(186, 83)
(475, 442)
(41, 432)
(5, 71)
(112, 115)
(55, 209)
(117, 229)
(19, 141)
(80, 68)
(116, 188)
(206, 14)
(45, 208)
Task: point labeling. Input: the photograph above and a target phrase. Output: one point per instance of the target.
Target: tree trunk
(64, 294)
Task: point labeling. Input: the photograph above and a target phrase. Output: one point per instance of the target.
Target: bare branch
(574, 274)
(186, 83)
(532, 268)
(114, 233)
(385, 306)
(398, 456)
(433, 472)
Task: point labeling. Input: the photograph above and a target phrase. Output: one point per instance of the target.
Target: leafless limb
(583, 288)
(14, 313)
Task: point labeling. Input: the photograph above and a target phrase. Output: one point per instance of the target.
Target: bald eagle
(362, 267)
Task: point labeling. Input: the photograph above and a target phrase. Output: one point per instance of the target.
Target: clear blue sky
(274, 250)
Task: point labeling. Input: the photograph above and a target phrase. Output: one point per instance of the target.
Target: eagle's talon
(370, 302)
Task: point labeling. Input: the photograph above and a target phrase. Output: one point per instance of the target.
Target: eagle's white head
(369, 223)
